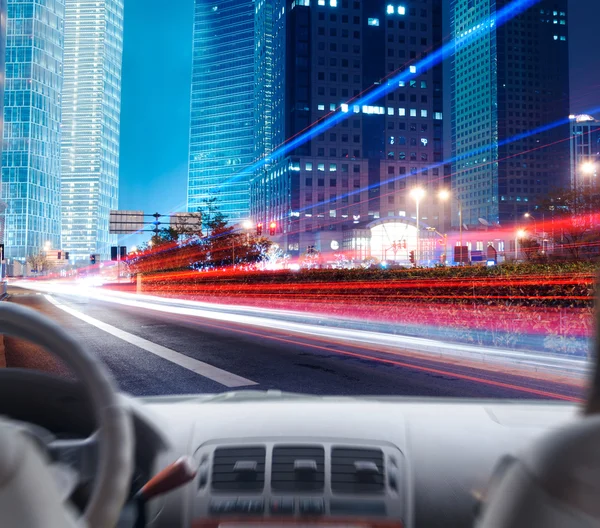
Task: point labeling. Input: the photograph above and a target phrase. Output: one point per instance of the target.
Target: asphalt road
(152, 352)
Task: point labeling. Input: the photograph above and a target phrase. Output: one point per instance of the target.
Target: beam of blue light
(480, 150)
(466, 38)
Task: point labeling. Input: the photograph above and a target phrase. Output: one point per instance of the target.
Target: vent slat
(285, 478)
(345, 478)
(224, 478)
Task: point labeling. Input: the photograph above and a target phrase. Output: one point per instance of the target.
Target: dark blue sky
(157, 60)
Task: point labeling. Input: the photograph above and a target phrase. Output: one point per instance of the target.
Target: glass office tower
(321, 56)
(91, 107)
(31, 131)
(511, 80)
(222, 106)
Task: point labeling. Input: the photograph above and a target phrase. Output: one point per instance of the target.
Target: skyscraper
(31, 156)
(510, 80)
(91, 107)
(585, 151)
(222, 106)
(358, 173)
(3, 15)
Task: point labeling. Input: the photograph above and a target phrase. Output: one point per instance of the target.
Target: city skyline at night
(142, 179)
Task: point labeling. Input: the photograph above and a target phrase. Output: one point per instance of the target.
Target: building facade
(31, 130)
(327, 55)
(508, 81)
(585, 151)
(91, 107)
(3, 16)
(222, 148)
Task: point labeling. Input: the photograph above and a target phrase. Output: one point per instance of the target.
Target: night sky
(157, 62)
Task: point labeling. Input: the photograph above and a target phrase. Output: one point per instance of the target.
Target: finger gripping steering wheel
(115, 431)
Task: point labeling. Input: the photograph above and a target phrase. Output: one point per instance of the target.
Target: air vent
(298, 468)
(238, 469)
(356, 470)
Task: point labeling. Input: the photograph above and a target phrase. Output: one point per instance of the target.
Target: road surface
(153, 352)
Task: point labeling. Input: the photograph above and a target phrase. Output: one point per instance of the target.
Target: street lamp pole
(529, 215)
(444, 195)
(460, 218)
(417, 253)
(519, 234)
(417, 193)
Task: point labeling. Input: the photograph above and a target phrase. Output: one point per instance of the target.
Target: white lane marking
(199, 367)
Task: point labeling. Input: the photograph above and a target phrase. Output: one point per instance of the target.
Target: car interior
(77, 452)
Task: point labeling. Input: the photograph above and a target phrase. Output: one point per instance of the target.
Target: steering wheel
(26, 482)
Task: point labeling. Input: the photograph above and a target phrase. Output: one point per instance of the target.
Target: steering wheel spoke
(79, 454)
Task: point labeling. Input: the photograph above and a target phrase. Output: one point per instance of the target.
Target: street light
(588, 168)
(529, 215)
(520, 234)
(417, 194)
(247, 225)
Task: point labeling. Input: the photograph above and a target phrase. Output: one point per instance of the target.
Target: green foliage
(213, 245)
(575, 213)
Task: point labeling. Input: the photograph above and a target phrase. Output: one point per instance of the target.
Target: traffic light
(66, 255)
(259, 229)
(123, 252)
(113, 252)
(59, 255)
(92, 259)
(411, 257)
(272, 227)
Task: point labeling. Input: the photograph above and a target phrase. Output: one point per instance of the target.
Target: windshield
(326, 197)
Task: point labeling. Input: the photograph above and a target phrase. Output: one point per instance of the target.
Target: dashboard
(278, 459)
(357, 461)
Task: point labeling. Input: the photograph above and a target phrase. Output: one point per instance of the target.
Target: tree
(39, 262)
(274, 257)
(530, 248)
(574, 219)
(185, 246)
(311, 259)
(212, 217)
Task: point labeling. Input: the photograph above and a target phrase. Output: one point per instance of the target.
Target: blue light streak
(436, 57)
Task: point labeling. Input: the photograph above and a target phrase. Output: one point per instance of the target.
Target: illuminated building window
(373, 22)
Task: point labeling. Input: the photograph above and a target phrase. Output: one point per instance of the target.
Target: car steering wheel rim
(115, 430)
